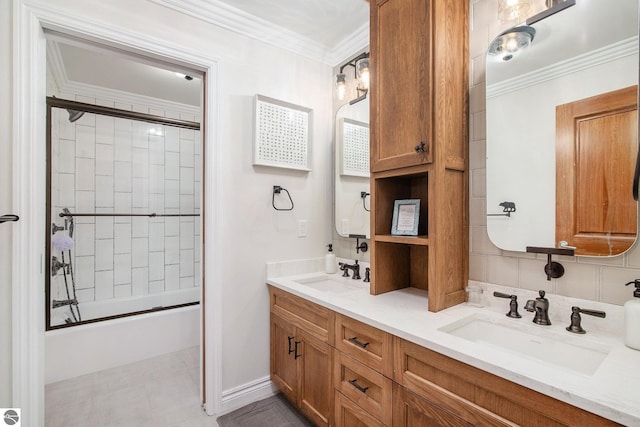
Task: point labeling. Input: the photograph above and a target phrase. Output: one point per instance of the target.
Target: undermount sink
(325, 283)
(531, 342)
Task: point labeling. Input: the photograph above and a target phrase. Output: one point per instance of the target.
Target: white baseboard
(247, 393)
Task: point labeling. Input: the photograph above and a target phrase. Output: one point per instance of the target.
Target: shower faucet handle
(55, 228)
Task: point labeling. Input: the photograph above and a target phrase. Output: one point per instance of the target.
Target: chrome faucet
(541, 308)
(355, 268)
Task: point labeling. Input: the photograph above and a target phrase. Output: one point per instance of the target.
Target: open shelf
(407, 240)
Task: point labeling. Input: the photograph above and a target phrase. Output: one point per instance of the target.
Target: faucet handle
(513, 305)
(575, 325)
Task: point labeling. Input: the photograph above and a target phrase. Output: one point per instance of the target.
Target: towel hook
(276, 190)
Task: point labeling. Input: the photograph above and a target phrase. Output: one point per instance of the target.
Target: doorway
(31, 24)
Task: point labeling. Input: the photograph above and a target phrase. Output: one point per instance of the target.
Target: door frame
(30, 20)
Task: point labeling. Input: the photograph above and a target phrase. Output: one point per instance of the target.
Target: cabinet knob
(422, 147)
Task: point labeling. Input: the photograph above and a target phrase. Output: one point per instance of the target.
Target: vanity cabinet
(301, 357)
(419, 145)
(478, 397)
(343, 372)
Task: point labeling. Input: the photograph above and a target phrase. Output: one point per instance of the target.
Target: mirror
(352, 199)
(578, 54)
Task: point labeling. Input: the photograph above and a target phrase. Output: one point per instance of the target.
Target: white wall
(252, 233)
(5, 204)
(597, 279)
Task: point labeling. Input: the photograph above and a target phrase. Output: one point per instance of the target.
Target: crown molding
(223, 15)
(569, 66)
(56, 68)
(357, 41)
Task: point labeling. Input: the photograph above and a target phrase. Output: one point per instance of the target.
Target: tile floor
(158, 392)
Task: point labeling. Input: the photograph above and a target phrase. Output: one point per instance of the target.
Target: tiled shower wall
(103, 164)
(592, 278)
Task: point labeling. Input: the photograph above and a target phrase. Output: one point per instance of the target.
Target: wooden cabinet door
(411, 410)
(401, 128)
(283, 364)
(315, 384)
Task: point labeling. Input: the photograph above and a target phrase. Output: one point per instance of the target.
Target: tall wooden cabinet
(419, 145)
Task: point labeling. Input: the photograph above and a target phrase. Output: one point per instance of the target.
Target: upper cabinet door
(401, 119)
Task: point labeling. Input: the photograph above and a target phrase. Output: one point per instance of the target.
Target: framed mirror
(352, 198)
(560, 152)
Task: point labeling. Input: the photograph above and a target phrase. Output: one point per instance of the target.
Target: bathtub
(93, 347)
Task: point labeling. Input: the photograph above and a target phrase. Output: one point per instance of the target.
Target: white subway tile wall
(103, 164)
(594, 278)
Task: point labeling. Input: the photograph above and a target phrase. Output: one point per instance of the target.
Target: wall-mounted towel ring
(363, 196)
(276, 190)
(7, 218)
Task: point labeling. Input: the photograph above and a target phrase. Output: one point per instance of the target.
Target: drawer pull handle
(358, 386)
(358, 342)
(295, 354)
(421, 148)
(290, 349)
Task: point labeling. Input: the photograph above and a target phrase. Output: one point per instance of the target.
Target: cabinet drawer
(314, 319)
(365, 343)
(409, 409)
(348, 414)
(367, 388)
(480, 397)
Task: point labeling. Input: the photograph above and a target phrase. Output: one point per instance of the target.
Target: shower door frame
(30, 21)
(53, 102)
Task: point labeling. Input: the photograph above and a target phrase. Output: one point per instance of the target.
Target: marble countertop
(612, 391)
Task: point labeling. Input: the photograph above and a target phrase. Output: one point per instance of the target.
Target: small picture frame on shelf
(406, 214)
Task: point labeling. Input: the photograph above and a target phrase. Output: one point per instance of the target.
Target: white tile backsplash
(172, 250)
(104, 191)
(122, 238)
(84, 237)
(104, 159)
(104, 254)
(172, 277)
(122, 269)
(85, 174)
(108, 165)
(140, 252)
(156, 266)
(156, 237)
(104, 285)
(85, 141)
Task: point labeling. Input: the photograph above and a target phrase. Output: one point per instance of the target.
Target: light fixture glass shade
(363, 73)
(513, 10)
(510, 43)
(341, 85)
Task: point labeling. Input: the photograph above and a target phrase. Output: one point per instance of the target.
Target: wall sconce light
(513, 10)
(360, 66)
(341, 85)
(512, 42)
(363, 73)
